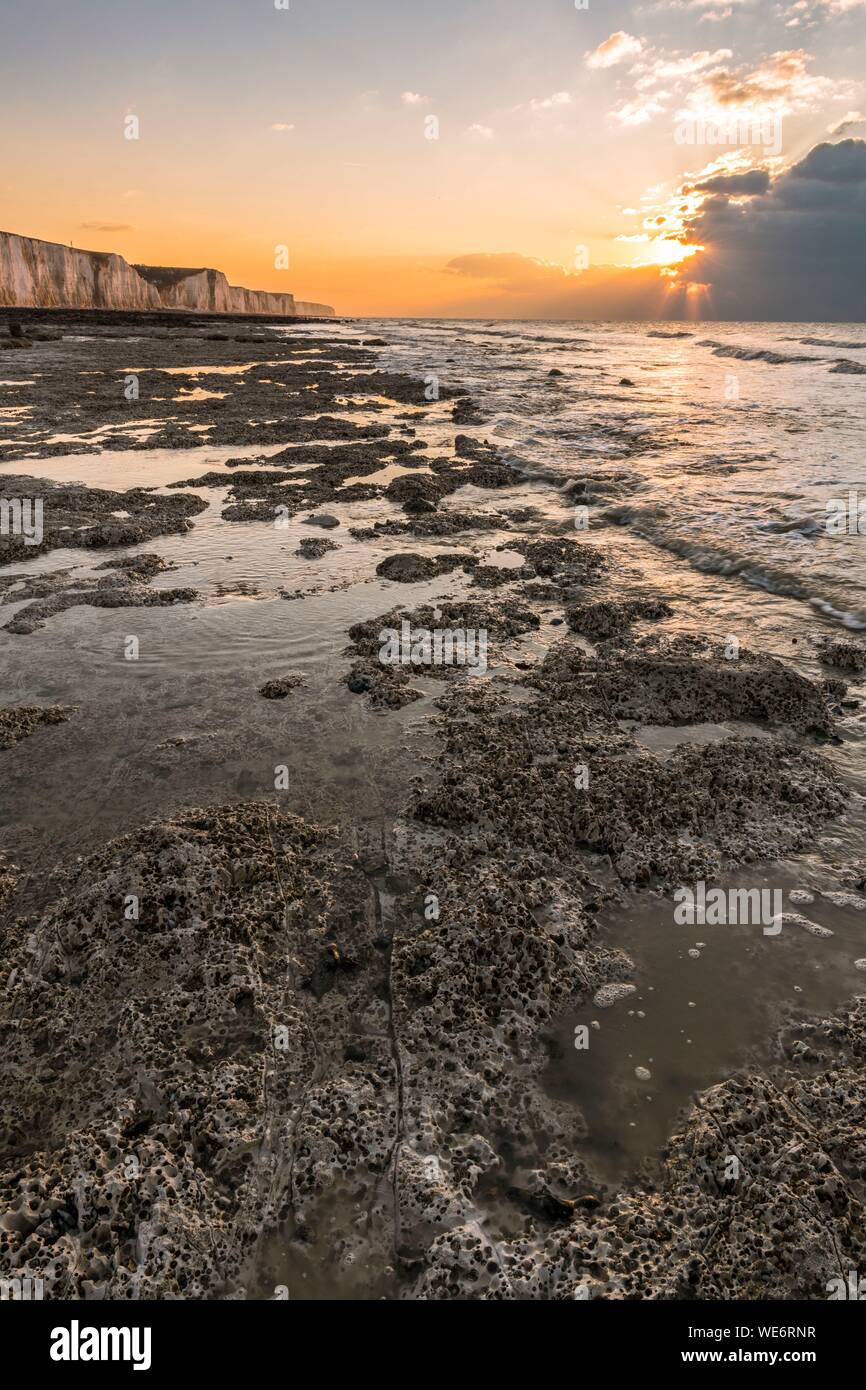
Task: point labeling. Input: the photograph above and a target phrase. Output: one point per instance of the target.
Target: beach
(370, 691)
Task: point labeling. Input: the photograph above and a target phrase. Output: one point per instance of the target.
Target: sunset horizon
(615, 161)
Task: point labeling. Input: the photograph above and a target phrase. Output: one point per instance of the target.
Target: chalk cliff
(209, 290)
(45, 275)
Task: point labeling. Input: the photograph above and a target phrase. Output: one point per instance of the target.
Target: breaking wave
(709, 557)
(779, 359)
(745, 354)
(829, 343)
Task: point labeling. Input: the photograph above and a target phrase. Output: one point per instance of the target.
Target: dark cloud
(792, 252)
(842, 163)
(789, 248)
(737, 185)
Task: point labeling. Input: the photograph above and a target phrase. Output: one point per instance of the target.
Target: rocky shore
(249, 1048)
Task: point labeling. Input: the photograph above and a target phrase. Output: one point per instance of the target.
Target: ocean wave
(842, 365)
(600, 484)
(710, 557)
(656, 333)
(849, 368)
(828, 342)
(717, 465)
(794, 526)
(855, 621)
(560, 342)
(744, 354)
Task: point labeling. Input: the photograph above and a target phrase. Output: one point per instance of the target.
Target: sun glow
(667, 252)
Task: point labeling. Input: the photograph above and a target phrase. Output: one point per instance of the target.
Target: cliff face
(42, 274)
(45, 275)
(313, 311)
(210, 290)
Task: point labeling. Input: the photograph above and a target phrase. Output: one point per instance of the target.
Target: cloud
(614, 50)
(792, 252)
(705, 86)
(639, 112)
(810, 9)
(745, 185)
(783, 248)
(710, 11)
(848, 122)
(671, 68)
(780, 83)
(413, 99)
(481, 132)
(513, 285)
(552, 103)
(510, 271)
(832, 164)
(105, 227)
(281, 125)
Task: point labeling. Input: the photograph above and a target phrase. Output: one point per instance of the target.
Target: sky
(478, 158)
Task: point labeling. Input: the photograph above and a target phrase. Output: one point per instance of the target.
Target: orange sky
(555, 135)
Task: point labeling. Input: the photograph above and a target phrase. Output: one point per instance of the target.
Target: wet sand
(296, 944)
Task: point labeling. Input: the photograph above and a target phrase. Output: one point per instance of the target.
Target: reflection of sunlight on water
(733, 450)
(198, 393)
(120, 469)
(239, 369)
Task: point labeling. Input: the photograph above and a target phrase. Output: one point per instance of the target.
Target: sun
(666, 251)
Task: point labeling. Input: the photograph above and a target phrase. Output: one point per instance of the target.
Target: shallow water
(713, 457)
(689, 490)
(696, 1018)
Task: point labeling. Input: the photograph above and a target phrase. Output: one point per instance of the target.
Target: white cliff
(43, 274)
(210, 290)
(46, 275)
(309, 310)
